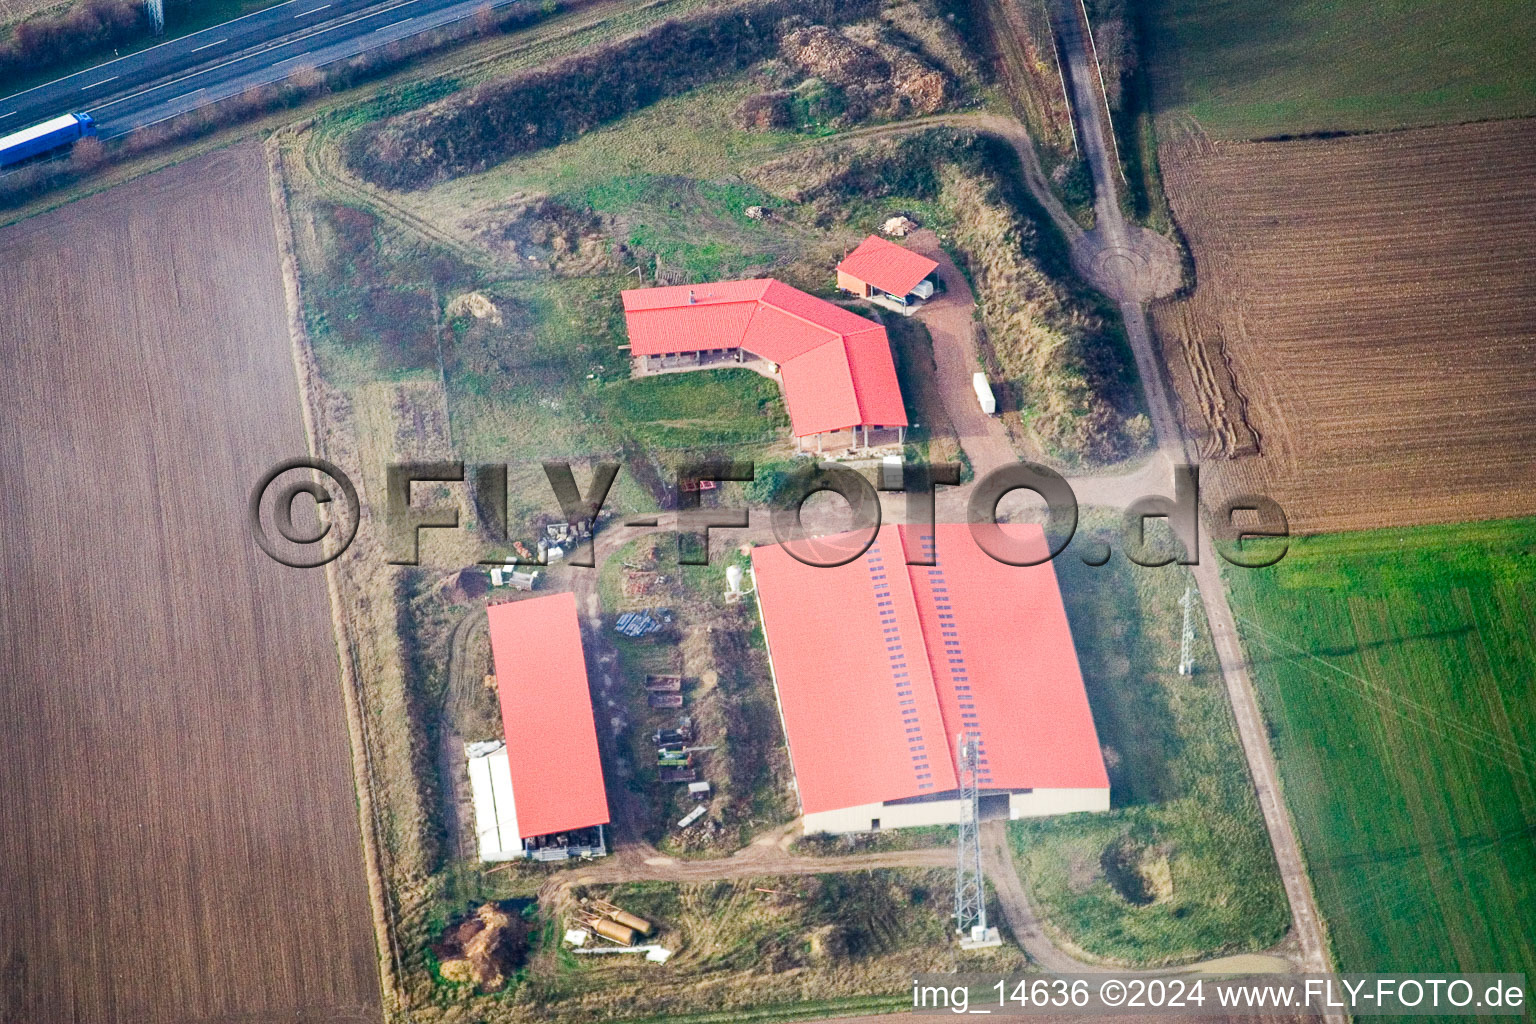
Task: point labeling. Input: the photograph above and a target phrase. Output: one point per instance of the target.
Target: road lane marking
(392, 24)
(251, 56)
(312, 10)
(104, 81)
(11, 114)
(266, 12)
(205, 46)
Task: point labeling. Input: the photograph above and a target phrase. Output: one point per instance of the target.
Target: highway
(186, 73)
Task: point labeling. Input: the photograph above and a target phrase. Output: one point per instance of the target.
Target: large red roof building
(545, 794)
(879, 666)
(835, 366)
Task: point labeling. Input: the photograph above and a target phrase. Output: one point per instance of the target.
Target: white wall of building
(1034, 804)
(490, 784)
(1038, 803)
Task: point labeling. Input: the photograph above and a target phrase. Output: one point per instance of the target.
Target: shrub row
(84, 28)
(481, 127)
(32, 180)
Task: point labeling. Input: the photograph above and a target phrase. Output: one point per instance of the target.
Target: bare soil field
(179, 833)
(1360, 342)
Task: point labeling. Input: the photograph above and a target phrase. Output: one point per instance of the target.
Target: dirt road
(949, 319)
(1123, 282)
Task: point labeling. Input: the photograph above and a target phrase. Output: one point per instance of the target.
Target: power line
(1482, 735)
(1423, 712)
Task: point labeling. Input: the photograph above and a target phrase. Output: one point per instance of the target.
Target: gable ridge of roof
(682, 303)
(815, 298)
(924, 639)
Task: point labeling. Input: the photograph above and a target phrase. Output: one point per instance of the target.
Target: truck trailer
(42, 138)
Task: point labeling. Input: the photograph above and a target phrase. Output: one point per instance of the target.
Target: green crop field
(1251, 68)
(1396, 669)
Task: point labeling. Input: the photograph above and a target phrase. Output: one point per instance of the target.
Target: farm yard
(719, 182)
(452, 237)
(1357, 345)
(1250, 69)
(1395, 669)
(775, 947)
(177, 692)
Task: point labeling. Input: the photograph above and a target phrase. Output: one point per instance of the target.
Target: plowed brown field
(178, 835)
(1361, 344)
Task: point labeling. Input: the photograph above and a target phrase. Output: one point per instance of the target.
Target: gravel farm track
(179, 831)
(1359, 343)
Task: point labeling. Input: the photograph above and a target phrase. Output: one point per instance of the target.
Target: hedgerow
(478, 128)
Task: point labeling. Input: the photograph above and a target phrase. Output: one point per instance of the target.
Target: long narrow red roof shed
(546, 712)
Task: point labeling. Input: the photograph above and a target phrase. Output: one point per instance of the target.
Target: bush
(78, 30)
(481, 127)
(764, 111)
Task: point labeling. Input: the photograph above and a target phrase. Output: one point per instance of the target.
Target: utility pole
(970, 886)
(1187, 640)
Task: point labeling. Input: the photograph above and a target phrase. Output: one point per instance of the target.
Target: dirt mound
(876, 77)
(483, 948)
(1138, 871)
(476, 305)
(825, 54)
(464, 585)
(548, 234)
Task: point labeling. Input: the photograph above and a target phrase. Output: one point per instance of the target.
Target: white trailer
(984, 394)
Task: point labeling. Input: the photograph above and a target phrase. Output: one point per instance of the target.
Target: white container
(984, 394)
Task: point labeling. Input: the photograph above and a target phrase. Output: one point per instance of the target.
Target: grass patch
(686, 135)
(1250, 69)
(1180, 867)
(1395, 668)
(697, 409)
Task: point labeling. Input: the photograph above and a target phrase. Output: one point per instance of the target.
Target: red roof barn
(888, 273)
(880, 665)
(835, 366)
(546, 713)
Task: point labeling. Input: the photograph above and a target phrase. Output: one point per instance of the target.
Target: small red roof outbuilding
(892, 268)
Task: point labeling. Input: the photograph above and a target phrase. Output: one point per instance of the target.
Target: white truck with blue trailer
(45, 137)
